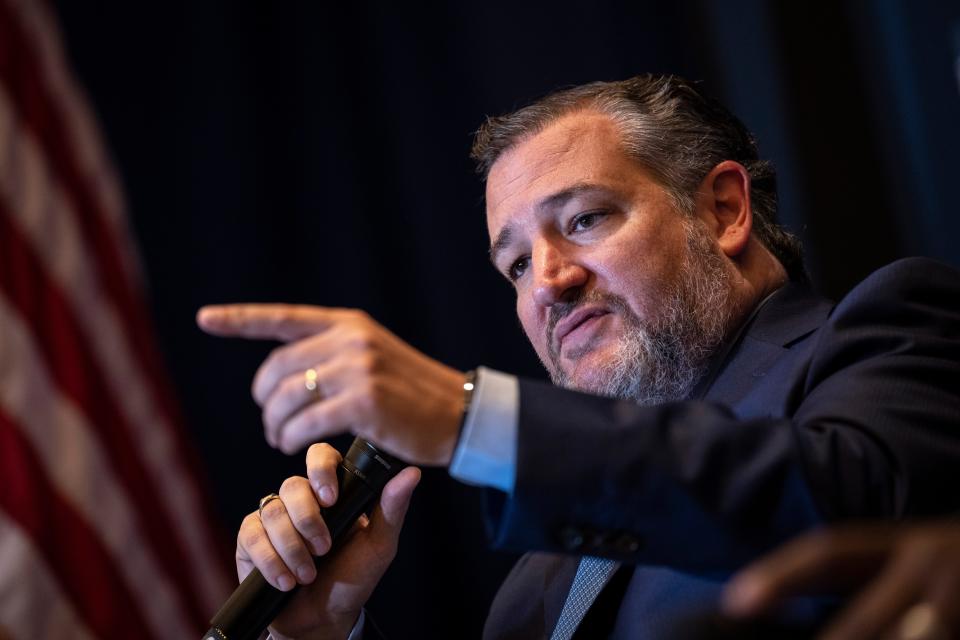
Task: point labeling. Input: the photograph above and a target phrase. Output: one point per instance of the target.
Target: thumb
(387, 519)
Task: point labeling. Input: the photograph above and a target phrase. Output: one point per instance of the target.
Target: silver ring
(310, 383)
(264, 501)
(922, 622)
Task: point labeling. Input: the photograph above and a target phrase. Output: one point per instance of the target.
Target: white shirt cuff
(486, 454)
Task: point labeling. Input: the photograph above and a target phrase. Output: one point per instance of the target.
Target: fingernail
(285, 582)
(306, 573)
(320, 545)
(327, 495)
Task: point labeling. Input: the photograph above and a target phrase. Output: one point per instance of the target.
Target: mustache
(561, 310)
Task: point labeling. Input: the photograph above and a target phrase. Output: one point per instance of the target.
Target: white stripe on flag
(75, 463)
(45, 216)
(80, 124)
(32, 605)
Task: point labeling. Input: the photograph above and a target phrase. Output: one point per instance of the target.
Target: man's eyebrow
(558, 199)
(504, 238)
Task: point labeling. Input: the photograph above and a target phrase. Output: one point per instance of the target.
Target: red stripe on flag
(68, 358)
(73, 553)
(22, 76)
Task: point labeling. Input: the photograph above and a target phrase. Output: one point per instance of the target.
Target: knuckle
(309, 524)
(378, 392)
(365, 400)
(361, 338)
(315, 416)
(291, 486)
(250, 538)
(322, 451)
(289, 446)
(359, 316)
(268, 415)
(276, 358)
(292, 547)
(273, 567)
(323, 468)
(272, 510)
(368, 363)
(260, 386)
(326, 472)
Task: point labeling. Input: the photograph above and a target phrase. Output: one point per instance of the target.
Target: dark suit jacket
(816, 414)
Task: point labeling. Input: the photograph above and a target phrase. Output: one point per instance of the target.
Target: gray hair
(674, 130)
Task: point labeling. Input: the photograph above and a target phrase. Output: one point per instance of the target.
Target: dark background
(317, 153)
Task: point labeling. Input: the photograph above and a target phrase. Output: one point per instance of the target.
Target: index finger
(284, 322)
(322, 463)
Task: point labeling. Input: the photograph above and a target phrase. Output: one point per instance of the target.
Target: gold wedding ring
(265, 500)
(310, 382)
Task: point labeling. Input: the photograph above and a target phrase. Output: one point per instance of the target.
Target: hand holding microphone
(282, 542)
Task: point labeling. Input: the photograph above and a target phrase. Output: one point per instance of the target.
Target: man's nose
(557, 277)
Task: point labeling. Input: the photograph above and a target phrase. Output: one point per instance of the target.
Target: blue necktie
(592, 575)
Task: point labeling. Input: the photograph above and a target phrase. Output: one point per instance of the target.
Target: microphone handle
(256, 603)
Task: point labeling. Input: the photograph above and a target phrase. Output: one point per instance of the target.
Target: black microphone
(255, 603)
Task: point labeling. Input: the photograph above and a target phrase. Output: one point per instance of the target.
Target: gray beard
(662, 360)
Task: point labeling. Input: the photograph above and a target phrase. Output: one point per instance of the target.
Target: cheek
(639, 272)
(532, 325)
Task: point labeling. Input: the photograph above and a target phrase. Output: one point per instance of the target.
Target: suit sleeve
(872, 432)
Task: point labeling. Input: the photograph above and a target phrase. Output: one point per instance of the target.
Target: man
(720, 407)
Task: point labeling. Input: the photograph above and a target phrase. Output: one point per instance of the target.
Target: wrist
(447, 419)
(469, 383)
(462, 393)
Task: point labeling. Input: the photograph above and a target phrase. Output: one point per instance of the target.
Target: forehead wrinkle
(506, 234)
(545, 164)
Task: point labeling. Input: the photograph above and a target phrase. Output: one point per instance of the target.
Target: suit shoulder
(920, 280)
(910, 297)
(912, 272)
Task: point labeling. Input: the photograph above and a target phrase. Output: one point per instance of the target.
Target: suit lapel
(529, 601)
(790, 314)
(558, 578)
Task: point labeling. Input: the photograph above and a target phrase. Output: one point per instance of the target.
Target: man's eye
(586, 221)
(518, 268)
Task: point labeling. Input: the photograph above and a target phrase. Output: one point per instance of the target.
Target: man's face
(607, 272)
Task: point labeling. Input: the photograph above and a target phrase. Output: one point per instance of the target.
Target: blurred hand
(908, 577)
(369, 382)
(282, 541)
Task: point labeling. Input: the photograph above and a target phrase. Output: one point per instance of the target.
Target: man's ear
(723, 204)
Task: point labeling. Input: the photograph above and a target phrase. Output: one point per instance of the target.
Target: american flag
(104, 529)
